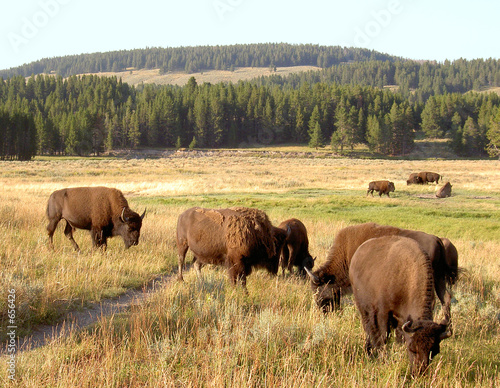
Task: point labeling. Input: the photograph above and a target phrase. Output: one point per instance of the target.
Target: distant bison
(414, 179)
(383, 187)
(238, 238)
(444, 191)
(295, 251)
(393, 286)
(102, 210)
(331, 280)
(427, 177)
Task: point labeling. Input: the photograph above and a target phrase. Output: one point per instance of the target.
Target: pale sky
(416, 29)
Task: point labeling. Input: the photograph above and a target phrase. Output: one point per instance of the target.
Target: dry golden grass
(136, 77)
(206, 333)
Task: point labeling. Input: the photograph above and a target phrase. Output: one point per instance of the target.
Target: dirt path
(77, 320)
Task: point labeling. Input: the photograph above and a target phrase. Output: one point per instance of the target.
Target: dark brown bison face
(129, 227)
(326, 297)
(423, 340)
(391, 187)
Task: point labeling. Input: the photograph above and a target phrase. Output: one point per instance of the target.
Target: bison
(427, 177)
(383, 187)
(414, 179)
(102, 210)
(444, 191)
(331, 280)
(238, 238)
(393, 286)
(295, 251)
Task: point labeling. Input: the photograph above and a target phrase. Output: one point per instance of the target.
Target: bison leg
(51, 228)
(182, 248)
(291, 259)
(98, 239)
(369, 191)
(237, 274)
(197, 266)
(284, 256)
(68, 232)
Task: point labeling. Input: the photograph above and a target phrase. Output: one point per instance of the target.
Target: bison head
(391, 187)
(423, 338)
(327, 296)
(129, 226)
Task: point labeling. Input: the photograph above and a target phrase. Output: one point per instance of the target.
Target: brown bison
(238, 238)
(414, 179)
(102, 210)
(383, 187)
(444, 191)
(393, 286)
(332, 279)
(427, 177)
(295, 251)
(451, 261)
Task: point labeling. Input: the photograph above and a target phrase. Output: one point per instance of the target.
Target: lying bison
(393, 286)
(295, 251)
(427, 177)
(102, 210)
(332, 278)
(444, 191)
(414, 179)
(383, 187)
(238, 238)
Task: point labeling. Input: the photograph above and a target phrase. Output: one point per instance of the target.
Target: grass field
(207, 333)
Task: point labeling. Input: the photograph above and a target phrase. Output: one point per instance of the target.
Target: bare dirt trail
(79, 319)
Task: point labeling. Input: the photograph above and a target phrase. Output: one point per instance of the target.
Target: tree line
(198, 58)
(84, 115)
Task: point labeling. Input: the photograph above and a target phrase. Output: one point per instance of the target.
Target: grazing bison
(383, 187)
(444, 191)
(332, 279)
(414, 179)
(295, 251)
(393, 286)
(102, 210)
(427, 177)
(238, 238)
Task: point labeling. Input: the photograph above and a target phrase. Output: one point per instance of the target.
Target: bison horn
(313, 277)
(407, 327)
(123, 217)
(143, 214)
(446, 334)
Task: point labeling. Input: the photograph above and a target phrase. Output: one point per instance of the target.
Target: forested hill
(193, 59)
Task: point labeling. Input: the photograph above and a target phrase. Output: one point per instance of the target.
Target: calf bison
(102, 210)
(427, 177)
(238, 238)
(331, 280)
(383, 187)
(414, 179)
(444, 191)
(393, 286)
(295, 251)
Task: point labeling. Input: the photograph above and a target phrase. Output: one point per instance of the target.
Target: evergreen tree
(316, 140)
(493, 135)
(431, 119)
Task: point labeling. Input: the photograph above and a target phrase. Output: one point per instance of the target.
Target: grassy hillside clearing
(207, 333)
(136, 77)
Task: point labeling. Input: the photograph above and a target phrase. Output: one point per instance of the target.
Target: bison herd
(394, 274)
(421, 178)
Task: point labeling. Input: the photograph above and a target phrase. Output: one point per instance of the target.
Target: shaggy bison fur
(102, 210)
(444, 191)
(393, 285)
(383, 187)
(331, 279)
(295, 251)
(238, 238)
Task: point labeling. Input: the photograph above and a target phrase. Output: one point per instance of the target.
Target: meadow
(206, 333)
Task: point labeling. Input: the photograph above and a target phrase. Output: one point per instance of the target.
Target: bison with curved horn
(295, 251)
(103, 211)
(331, 280)
(393, 285)
(238, 238)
